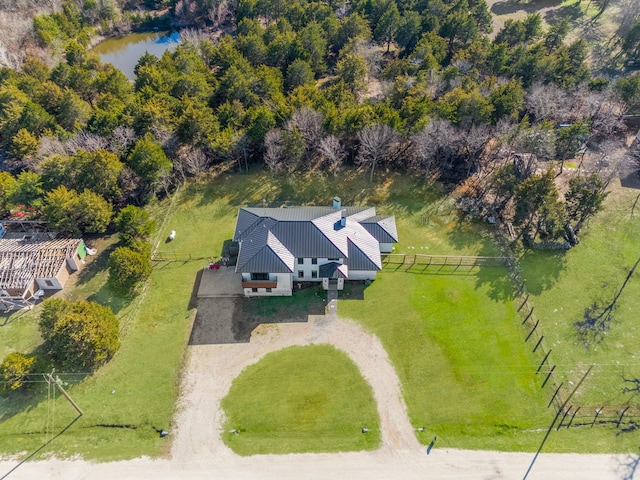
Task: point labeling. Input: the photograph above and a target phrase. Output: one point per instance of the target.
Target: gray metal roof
(272, 238)
(382, 228)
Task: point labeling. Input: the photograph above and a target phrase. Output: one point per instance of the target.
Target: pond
(124, 52)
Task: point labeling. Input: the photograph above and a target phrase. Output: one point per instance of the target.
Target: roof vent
(337, 204)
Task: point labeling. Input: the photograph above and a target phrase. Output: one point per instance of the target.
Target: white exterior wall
(55, 284)
(386, 247)
(362, 275)
(283, 288)
(307, 268)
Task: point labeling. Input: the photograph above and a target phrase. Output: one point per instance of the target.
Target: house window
(300, 274)
(259, 276)
(314, 274)
(333, 259)
(314, 261)
(254, 290)
(301, 261)
(268, 290)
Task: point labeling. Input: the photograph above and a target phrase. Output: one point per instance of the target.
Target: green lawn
(562, 285)
(455, 339)
(288, 402)
(457, 344)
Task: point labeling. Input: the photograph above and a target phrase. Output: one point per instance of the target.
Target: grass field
(308, 411)
(454, 339)
(563, 285)
(458, 348)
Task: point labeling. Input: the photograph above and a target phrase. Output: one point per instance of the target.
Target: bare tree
(191, 161)
(473, 144)
(376, 142)
(273, 154)
(241, 150)
(89, 142)
(332, 151)
(309, 123)
(122, 139)
(436, 144)
(546, 102)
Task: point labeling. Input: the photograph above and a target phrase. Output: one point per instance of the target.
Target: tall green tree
(149, 161)
(133, 223)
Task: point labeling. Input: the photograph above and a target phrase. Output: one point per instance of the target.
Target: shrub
(15, 367)
(79, 336)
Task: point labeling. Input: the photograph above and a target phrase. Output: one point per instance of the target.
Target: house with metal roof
(280, 247)
(34, 263)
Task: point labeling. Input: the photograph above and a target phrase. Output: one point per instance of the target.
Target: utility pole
(75, 406)
(560, 410)
(66, 395)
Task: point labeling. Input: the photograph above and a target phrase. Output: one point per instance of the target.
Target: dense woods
(417, 86)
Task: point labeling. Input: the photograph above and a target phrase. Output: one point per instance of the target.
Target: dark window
(334, 259)
(259, 276)
(254, 290)
(314, 261)
(300, 274)
(268, 290)
(314, 274)
(301, 261)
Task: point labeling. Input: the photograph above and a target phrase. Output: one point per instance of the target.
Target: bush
(128, 270)
(79, 336)
(15, 367)
(133, 223)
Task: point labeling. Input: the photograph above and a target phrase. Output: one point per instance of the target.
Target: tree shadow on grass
(572, 13)
(542, 269)
(104, 296)
(495, 275)
(511, 6)
(34, 390)
(259, 188)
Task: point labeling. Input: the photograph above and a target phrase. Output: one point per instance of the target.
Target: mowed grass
(128, 400)
(301, 399)
(455, 339)
(563, 285)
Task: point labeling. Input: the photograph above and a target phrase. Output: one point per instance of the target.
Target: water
(124, 52)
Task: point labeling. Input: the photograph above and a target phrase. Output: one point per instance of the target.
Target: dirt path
(212, 368)
(198, 452)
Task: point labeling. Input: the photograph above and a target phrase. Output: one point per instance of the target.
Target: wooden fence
(422, 260)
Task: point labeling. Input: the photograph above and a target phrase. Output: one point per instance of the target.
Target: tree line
(416, 86)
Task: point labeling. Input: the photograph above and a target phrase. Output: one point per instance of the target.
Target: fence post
(532, 330)
(596, 417)
(524, 302)
(566, 412)
(554, 397)
(573, 416)
(538, 344)
(543, 360)
(548, 376)
(528, 316)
